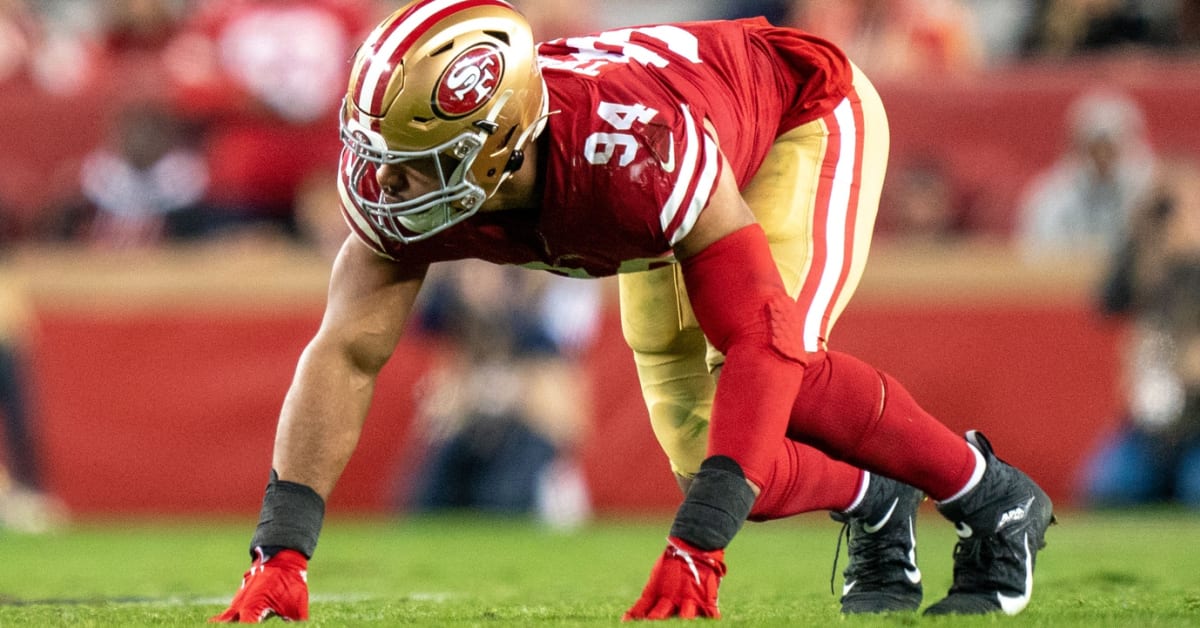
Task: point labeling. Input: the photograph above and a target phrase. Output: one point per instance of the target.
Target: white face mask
(455, 198)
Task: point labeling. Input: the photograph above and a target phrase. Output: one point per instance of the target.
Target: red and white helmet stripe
(390, 41)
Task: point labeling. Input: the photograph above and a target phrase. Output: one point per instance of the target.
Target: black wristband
(291, 518)
(716, 505)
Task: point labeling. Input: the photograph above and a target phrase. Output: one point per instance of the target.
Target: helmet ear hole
(508, 137)
(500, 35)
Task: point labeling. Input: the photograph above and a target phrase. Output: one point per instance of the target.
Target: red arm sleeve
(745, 311)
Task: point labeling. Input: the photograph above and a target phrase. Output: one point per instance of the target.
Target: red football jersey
(640, 118)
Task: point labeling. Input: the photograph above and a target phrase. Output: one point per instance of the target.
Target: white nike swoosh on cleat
(848, 586)
(963, 530)
(1013, 604)
(873, 528)
(914, 573)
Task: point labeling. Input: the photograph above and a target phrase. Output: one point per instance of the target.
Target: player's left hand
(682, 584)
(275, 585)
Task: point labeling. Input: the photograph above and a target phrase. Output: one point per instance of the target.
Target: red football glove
(682, 584)
(274, 586)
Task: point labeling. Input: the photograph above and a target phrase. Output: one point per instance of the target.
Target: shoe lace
(870, 553)
(970, 551)
(837, 552)
(972, 559)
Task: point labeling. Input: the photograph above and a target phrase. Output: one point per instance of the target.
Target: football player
(729, 171)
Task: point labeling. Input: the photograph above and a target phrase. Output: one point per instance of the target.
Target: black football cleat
(1001, 525)
(882, 575)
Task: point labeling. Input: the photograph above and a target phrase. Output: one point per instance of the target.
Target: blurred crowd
(207, 120)
(502, 412)
(140, 123)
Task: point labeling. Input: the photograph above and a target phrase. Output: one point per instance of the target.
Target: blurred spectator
(263, 79)
(891, 38)
(1002, 26)
(37, 49)
(25, 505)
(130, 26)
(1071, 27)
(1082, 204)
(133, 37)
(921, 204)
(504, 413)
(143, 186)
(18, 29)
(1155, 279)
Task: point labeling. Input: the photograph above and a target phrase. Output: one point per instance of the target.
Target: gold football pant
(816, 196)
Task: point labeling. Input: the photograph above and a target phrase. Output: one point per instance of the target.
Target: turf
(1118, 569)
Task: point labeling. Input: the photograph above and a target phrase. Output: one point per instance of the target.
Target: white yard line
(418, 596)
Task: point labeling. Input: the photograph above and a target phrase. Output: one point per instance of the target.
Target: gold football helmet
(450, 87)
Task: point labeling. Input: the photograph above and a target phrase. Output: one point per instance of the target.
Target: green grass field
(1130, 569)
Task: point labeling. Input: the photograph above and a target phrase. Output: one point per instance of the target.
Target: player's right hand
(682, 584)
(275, 585)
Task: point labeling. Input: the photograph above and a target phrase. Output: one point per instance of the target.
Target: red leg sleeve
(858, 414)
(805, 480)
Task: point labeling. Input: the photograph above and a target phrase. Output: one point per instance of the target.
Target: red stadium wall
(167, 403)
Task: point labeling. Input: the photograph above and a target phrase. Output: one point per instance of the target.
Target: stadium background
(159, 367)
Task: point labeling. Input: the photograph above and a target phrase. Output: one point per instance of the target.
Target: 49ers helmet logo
(469, 81)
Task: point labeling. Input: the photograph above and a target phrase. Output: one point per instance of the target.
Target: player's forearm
(744, 310)
(755, 392)
(318, 428)
(322, 418)
(741, 305)
(323, 414)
